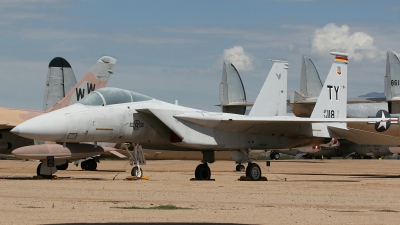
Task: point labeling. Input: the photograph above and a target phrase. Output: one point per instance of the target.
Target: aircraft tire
(38, 169)
(240, 168)
(272, 155)
(276, 156)
(62, 166)
(83, 165)
(253, 171)
(202, 172)
(136, 172)
(91, 165)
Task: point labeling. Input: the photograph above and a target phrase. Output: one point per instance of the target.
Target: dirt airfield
(297, 192)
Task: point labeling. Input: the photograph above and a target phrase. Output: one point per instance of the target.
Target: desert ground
(297, 192)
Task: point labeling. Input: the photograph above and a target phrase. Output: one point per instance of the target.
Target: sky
(173, 50)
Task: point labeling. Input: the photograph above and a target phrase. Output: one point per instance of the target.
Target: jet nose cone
(50, 127)
(15, 130)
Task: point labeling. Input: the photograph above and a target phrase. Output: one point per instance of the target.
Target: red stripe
(341, 57)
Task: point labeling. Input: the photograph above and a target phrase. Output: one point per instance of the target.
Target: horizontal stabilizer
(365, 137)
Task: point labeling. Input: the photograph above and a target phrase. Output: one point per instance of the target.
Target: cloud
(359, 45)
(237, 56)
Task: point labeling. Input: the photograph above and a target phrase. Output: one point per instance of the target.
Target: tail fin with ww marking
(97, 77)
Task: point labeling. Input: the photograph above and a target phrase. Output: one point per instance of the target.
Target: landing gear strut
(203, 171)
(136, 159)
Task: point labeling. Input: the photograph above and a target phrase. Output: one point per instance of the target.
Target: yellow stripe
(106, 129)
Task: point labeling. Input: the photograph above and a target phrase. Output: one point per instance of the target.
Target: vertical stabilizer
(332, 101)
(60, 80)
(97, 77)
(271, 101)
(231, 90)
(392, 81)
(310, 82)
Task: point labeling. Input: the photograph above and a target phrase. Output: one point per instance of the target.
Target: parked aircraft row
(232, 102)
(303, 103)
(117, 115)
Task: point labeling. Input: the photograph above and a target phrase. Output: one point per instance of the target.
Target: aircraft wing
(5, 125)
(10, 118)
(366, 137)
(241, 123)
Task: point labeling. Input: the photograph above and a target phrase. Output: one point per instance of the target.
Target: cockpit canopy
(111, 96)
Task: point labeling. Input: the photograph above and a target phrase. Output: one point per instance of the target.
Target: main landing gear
(253, 170)
(136, 159)
(203, 171)
(44, 171)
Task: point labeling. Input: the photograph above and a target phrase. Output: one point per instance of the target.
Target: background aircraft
(303, 104)
(60, 80)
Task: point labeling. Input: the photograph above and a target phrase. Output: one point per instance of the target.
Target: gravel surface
(297, 192)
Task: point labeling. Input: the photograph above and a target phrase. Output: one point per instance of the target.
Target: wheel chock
(244, 178)
(135, 178)
(131, 178)
(194, 179)
(145, 178)
(46, 178)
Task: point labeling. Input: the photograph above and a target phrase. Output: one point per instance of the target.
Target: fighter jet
(117, 115)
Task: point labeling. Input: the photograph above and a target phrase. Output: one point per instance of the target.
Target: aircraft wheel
(272, 155)
(276, 156)
(253, 171)
(202, 172)
(240, 168)
(62, 166)
(136, 172)
(91, 165)
(38, 169)
(83, 165)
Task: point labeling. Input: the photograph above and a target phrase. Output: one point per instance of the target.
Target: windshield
(111, 96)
